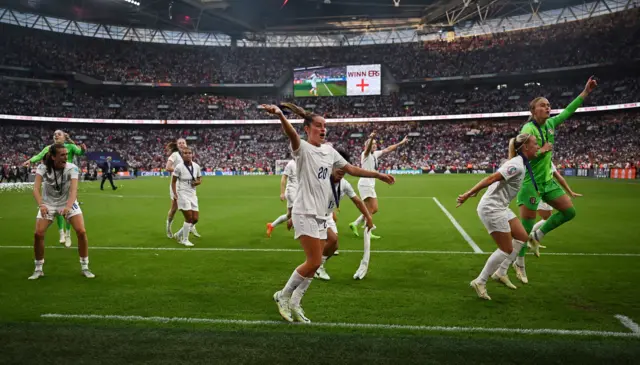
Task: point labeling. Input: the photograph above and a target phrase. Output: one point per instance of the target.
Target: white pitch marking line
(271, 197)
(327, 87)
(629, 323)
(464, 234)
(525, 331)
(241, 249)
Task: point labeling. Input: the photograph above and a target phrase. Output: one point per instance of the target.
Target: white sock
(367, 246)
(297, 295)
(68, 233)
(84, 263)
(538, 225)
(538, 235)
(61, 231)
(359, 221)
(324, 259)
(39, 264)
(504, 266)
(280, 219)
(179, 234)
(186, 229)
(496, 258)
(520, 261)
(169, 221)
(292, 284)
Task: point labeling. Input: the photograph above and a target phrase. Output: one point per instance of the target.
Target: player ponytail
(515, 144)
(49, 157)
(307, 116)
(172, 147)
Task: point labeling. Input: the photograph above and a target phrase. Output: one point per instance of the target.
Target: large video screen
(336, 81)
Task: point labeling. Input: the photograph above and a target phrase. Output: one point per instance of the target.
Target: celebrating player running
(288, 188)
(315, 161)
(186, 177)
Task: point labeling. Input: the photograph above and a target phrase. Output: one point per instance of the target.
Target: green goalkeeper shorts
(549, 191)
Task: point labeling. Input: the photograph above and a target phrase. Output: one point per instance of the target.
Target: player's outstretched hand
(405, 140)
(26, 163)
(462, 198)
(574, 194)
(389, 179)
(272, 109)
(592, 83)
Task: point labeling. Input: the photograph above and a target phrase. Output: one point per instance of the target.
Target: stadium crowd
(19, 98)
(583, 141)
(607, 38)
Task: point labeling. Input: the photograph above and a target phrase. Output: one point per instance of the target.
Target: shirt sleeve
(510, 169)
(75, 150)
(338, 161)
(377, 154)
(172, 158)
(41, 170)
(39, 156)
(304, 146)
(566, 113)
(176, 171)
(348, 189)
(288, 169)
(199, 172)
(74, 172)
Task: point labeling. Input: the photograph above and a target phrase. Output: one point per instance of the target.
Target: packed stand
(607, 38)
(51, 101)
(583, 141)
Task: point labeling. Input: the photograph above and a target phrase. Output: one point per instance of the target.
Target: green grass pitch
(419, 276)
(324, 89)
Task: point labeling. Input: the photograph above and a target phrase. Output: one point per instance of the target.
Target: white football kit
(56, 187)
(313, 169)
(493, 208)
(187, 198)
(176, 159)
(292, 183)
(367, 185)
(342, 189)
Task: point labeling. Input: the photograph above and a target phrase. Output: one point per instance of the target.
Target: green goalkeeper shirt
(72, 150)
(541, 165)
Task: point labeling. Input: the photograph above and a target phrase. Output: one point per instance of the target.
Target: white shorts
(544, 206)
(496, 221)
(367, 192)
(309, 225)
(53, 211)
(332, 224)
(290, 195)
(188, 202)
(173, 197)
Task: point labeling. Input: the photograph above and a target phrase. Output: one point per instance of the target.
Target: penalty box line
(297, 250)
(241, 322)
(455, 223)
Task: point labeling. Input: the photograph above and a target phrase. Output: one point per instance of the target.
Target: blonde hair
(515, 144)
(532, 106)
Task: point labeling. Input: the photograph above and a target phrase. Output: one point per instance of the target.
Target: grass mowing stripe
(524, 331)
(464, 234)
(629, 323)
(236, 249)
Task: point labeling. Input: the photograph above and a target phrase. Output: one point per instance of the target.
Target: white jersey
(57, 183)
(186, 175)
(369, 163)
(313, 169)
(342, 189)
(501, 193)
(314, 80)
(176, 159)
(553, 168)
(290, 173)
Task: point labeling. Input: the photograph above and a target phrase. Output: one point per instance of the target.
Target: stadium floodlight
(133, 2)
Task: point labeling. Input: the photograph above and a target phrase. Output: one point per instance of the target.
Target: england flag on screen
(363, 80)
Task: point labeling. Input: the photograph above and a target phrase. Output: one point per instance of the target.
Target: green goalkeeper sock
(68, 226)
(528, 226)
(60, 222)
(557, 219)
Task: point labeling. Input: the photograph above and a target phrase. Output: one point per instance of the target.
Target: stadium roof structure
(301, 22)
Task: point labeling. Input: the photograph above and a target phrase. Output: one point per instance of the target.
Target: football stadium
(319, 181)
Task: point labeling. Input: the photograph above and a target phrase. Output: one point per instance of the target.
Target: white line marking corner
(464, 234)
(629, 323)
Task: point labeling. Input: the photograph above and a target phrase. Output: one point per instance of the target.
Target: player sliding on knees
(339, 187)
(543, 128)
(73, 150)
(288, 187)
(174, 150)
(186, 176)
(367, 186)
(493, 209)
(545, 210)
(56, 190)
(314, 160)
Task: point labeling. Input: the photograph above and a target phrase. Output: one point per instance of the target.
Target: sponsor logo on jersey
(532, 200)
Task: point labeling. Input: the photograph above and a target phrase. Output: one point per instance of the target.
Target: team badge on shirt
(550, 131)
(511, 170)
(533, 200)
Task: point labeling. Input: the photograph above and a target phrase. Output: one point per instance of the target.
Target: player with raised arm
(288, 187)
(174, 150)
(339, 187)
(55, 191)
(501, 223)
(366, 186)
(314, 162)
(542, 126)
(186, 177)
(73, 150)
